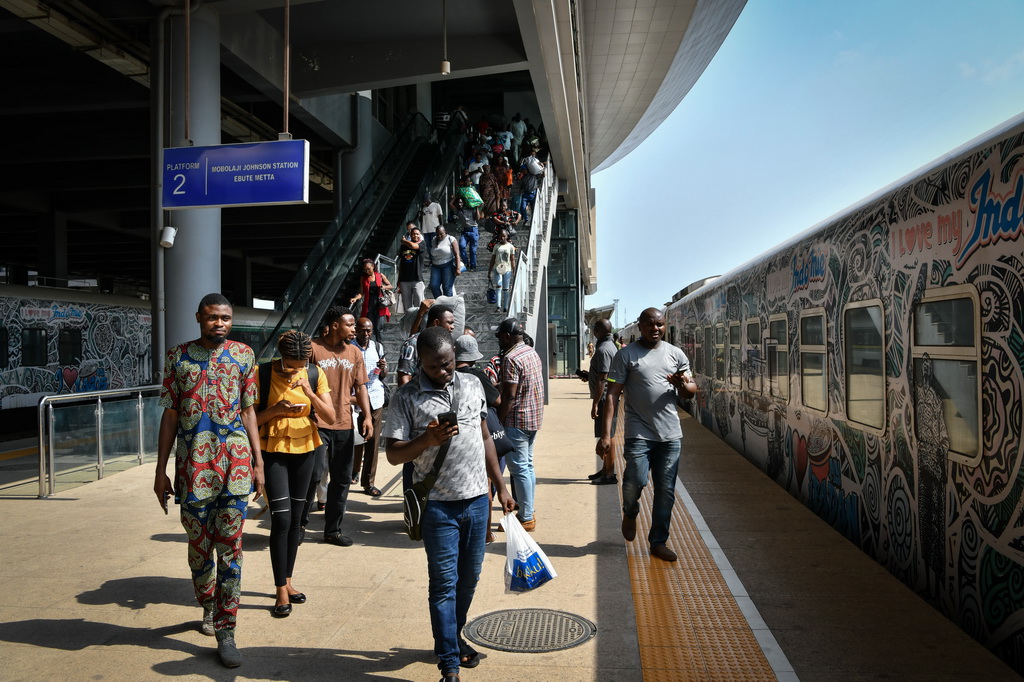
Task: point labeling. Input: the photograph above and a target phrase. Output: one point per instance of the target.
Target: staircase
(480, 315)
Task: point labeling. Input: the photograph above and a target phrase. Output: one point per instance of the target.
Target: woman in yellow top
(288, 436)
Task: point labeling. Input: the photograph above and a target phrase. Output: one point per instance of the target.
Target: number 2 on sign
(181, 183)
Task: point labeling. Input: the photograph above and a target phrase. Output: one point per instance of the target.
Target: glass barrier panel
(120, 434)
(151, 415)
(74, 445)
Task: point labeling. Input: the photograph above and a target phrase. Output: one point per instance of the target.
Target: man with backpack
(365, 458)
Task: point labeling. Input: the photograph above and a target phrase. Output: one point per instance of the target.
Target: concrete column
(53, 249)
(424, 103)
(192, 265)
(355, 163)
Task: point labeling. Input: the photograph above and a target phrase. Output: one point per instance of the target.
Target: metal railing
(64, 424)
(531, 268)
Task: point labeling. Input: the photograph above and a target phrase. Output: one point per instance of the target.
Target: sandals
(373, 491)
(468, 656)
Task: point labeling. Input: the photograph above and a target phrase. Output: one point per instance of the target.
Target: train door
(776, 352)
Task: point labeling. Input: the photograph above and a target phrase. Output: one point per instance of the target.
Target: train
(872, 367)
(63, 340)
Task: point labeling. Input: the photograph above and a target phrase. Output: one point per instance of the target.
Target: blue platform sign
(249, 174)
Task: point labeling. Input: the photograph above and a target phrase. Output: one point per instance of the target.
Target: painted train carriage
(872, 366)
(67, 341)
(56, 341)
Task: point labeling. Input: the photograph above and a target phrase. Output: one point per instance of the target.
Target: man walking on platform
(209, 390)
(521, 411)
(655, 377)
(364, 463)
(342, 364)
(600, 364)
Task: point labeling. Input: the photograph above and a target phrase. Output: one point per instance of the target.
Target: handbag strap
(431, 477)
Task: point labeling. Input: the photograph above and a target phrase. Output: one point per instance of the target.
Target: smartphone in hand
(447, 419)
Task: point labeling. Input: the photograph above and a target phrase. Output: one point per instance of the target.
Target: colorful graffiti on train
(110, 348)
(948, 524)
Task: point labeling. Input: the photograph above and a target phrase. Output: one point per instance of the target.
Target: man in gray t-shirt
(655, 377)
(454, 522)
(600, 365)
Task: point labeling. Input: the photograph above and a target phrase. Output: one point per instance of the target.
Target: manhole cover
(530, 631)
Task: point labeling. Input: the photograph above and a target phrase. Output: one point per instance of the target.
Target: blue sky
(808, 107)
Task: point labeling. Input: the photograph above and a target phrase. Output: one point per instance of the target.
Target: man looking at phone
(342, 364)
(209, 390)
(436, 406)
(655, 377)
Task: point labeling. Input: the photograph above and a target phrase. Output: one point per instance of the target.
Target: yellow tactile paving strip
(688, 624)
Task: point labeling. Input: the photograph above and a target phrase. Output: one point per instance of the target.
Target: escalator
(367, 222)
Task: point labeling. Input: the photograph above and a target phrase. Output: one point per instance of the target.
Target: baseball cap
(509, 325)
(466, 349)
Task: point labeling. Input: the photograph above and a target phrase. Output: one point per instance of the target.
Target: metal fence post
(51, 478)
(42, 454)
(140, 407)
(99, 437)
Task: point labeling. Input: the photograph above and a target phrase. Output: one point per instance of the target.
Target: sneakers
(599, 474)
(629, 528)
(604, 480)
(206, 627)
(229, 654)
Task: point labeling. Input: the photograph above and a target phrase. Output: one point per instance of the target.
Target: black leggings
(287, 480)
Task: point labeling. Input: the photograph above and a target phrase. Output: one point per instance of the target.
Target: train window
(33, 347)
(709, 350)
(691, 348)
(777, 351)
(672, 335)
(813, 367)
(947, 358)
(3, 348)
(69, 347)
(697, 358)
(720, 352)
(752, 368)
(734, 354)
(864, 357)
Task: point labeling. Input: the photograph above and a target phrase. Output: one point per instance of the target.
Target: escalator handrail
(316, 264)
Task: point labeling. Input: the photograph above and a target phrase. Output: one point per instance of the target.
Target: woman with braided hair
(288, 435)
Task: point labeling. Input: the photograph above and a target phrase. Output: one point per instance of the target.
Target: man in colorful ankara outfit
(210, 388)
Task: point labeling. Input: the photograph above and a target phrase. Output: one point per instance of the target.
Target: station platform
(763, 590)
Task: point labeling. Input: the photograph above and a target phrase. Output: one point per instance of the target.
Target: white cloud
(1000, 73)
(967, 71)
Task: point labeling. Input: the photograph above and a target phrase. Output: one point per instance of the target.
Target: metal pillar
(355, 163)
(192, 265)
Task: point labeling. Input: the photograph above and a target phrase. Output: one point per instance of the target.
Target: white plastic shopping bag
(526, 565)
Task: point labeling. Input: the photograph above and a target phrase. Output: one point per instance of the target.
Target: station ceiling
(76, 111)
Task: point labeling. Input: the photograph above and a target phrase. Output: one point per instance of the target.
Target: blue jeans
(520, 467)
(661, 459)
(453, 537)
(442, 278)
(501, 284)
(467, 247)
(525, 205)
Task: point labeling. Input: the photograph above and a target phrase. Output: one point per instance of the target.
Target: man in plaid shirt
(521, 411)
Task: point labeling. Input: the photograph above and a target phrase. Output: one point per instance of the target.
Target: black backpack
(264, 376)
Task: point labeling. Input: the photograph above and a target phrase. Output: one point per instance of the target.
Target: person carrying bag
(437, 422)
